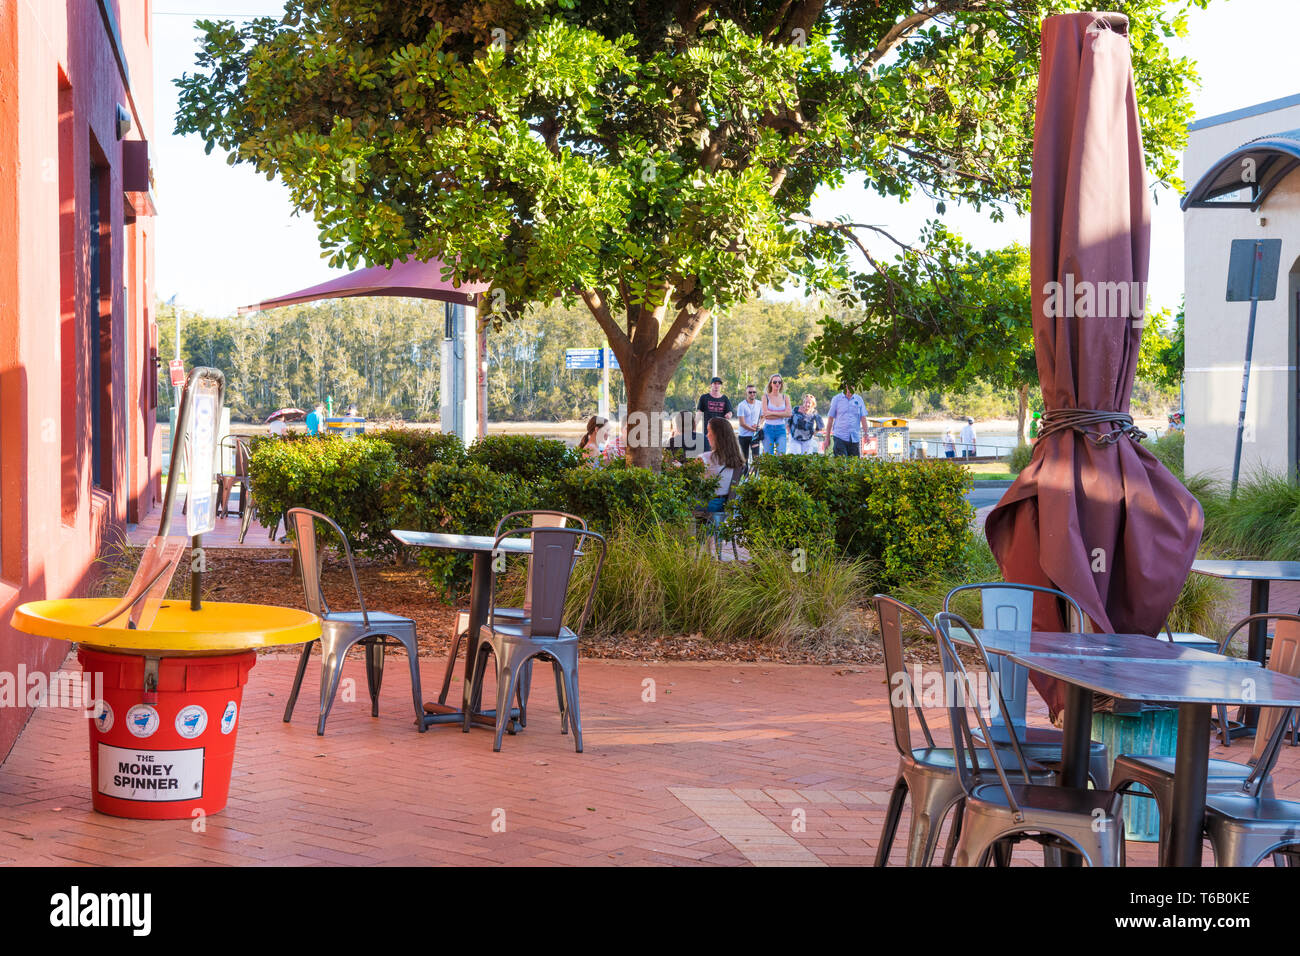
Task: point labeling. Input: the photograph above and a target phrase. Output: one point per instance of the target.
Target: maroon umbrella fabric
(422, 280)
(1094, 514)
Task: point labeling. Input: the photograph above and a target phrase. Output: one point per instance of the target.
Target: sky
(227, 237)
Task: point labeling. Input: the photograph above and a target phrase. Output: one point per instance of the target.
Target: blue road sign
(582, 358)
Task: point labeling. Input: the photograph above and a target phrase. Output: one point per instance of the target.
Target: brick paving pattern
(730, 765)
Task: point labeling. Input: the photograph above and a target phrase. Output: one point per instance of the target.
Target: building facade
(79, 446)
(1243, 173)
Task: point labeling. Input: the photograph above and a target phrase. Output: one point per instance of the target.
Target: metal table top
(1170, 681)
(463, 542)
(1095, 646)
(1250, 570)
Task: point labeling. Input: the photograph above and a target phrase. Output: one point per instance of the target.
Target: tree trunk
(647, 385)
(1022, 415)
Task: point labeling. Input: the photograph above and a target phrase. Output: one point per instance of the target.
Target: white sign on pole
(200, 517)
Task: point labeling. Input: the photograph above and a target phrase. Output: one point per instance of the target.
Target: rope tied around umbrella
(1079, 419)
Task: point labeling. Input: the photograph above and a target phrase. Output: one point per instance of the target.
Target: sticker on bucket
(142, 720)
(228, 718)
(103, 716)
(155, 776)
(191, 721)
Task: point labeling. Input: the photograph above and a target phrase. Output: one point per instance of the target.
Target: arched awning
(1257, 166)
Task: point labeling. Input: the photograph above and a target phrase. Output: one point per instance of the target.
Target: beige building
(1243, 170)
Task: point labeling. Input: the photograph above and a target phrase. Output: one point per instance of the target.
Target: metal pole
(602, 404)
(1256, 268)
(715, 344)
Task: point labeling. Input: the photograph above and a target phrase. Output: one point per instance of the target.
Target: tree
(941, 316)
(655, 160)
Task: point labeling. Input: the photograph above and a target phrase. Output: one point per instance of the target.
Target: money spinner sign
(200, 517)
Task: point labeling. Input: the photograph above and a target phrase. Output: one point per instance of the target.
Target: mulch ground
(267, 576)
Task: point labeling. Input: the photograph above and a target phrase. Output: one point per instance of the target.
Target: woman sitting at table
(592, 444)
(724, 461)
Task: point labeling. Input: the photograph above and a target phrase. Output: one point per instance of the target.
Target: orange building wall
(52, 528)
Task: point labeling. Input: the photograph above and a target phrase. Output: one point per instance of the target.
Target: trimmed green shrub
(776, 513)
(417, 449)
(1169, 450)
(1019, 458)
(527, 456)
(911, 519)
(613, 493)
(342, 478)
(452, 499)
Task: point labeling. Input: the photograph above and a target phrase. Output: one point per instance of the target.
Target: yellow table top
(218, 628)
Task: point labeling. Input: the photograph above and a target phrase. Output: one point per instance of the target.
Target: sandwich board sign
(200, 517)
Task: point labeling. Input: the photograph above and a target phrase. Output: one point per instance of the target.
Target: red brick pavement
(741, 744)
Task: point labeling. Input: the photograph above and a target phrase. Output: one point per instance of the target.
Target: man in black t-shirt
(714, 405)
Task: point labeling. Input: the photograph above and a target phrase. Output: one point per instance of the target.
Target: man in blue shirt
(315, 419)
(845, 421)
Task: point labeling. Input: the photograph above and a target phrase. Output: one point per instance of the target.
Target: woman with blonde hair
(776, 415)
(805, 424)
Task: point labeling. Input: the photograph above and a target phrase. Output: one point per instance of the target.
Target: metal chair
(1245, 825)
(1156, 774)
(541, 519)
(514, 643)
(1202, 643)
(927, 774)
(1086, 821)
(1007, 606)
(238, 448)
(341, 630)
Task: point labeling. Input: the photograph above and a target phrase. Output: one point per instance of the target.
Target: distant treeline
(384, 354)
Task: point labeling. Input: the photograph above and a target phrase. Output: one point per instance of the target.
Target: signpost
(1252, 275)
(590, 359)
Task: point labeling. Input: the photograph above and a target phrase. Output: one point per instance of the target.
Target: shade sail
(1093, 514)
(422, 280)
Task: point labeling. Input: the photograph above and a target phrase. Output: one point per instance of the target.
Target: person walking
(776, 416)
(846, 420)
(805, 426)
(950, 444)
(713, 404)
(968, 439)
(749, 415)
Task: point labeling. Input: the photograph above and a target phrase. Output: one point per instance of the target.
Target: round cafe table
(1260, 574)
(480, 547)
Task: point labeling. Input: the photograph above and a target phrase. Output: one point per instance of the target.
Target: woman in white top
(776, 415)
(593, 442)
(723, 461)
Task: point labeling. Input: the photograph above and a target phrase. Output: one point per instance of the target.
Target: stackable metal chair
(1225, 776)
(1245, 826)
(341, 630)
(515, 643)
(927, 774)
(1010, 607)
(1087, 821)
(238, 449)
(540, 518)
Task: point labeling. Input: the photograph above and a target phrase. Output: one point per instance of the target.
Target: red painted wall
(53, 523)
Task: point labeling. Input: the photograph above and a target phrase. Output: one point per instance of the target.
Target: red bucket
(161, 755)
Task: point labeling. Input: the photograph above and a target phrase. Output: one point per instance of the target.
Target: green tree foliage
(656, 161)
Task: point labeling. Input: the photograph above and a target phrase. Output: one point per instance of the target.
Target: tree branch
(904, 28)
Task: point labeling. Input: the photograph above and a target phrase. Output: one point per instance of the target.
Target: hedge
(910, 518)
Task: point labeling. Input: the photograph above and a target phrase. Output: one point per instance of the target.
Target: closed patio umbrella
(1094, 514)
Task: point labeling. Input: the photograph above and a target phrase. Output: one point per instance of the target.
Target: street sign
(583, 358)
(1243, 265)
(613, 360)
(177, 367)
